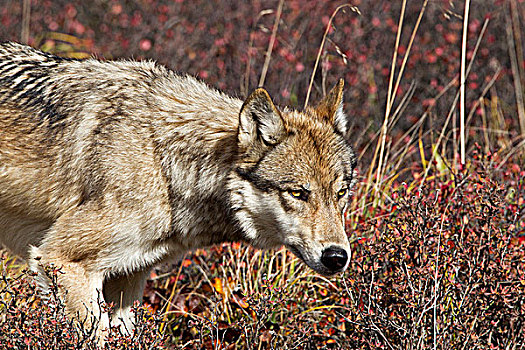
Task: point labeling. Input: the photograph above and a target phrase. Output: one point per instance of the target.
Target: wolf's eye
(341, 193)
(298, 194)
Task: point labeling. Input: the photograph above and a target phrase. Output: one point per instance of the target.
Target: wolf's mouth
(317, 267)
(297, 252)
(314, 265)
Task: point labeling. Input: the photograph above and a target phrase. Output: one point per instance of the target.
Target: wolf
(108, 168)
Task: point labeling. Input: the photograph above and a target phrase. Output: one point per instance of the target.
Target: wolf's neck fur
(196, 118)
(197, 133)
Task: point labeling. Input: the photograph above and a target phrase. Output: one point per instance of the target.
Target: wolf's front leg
(74, 244)
(123, 291)
(79, 288)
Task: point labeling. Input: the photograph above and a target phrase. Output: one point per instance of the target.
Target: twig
(245, 80)
(513, 54)
(390, 101)
(26, 16)
(328, 26)
(270, 45)
(511, 153)
(441, 135)
(436, 281)
(516, 30)
(462, 83)
(469, 67)
(406, 56)
(394, 60)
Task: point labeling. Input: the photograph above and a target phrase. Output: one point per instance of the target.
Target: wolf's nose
(334, 258)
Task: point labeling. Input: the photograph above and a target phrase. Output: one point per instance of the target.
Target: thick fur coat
(108, 168)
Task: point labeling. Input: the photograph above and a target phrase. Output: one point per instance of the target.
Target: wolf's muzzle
(334, 258)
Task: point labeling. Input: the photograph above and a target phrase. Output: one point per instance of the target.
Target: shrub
(442, 267)
(29, 322)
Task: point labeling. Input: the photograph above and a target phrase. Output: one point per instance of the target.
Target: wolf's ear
(331, 108)
(260, 120)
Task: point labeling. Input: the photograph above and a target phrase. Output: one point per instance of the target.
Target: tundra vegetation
(437, 220)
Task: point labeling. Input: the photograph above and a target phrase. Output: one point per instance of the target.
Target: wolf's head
(293, 179)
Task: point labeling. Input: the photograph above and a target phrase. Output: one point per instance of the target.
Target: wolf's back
(68, 126)
(26, 80)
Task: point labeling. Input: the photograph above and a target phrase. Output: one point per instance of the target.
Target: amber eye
(341, 193)
(298, 194)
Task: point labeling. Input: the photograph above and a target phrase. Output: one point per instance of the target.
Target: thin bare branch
(26, 16)
(320, 51)
(270, 44)
(462, 82)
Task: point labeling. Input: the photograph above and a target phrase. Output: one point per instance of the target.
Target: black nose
(334, 258)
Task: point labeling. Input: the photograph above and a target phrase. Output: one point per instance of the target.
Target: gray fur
(108, 168)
